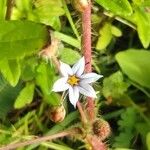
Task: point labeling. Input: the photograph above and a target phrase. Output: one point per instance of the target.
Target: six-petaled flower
(76, 81)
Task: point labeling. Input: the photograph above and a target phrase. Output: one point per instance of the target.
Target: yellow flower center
(73, 80)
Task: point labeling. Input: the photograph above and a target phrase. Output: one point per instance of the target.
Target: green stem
(70, 20)
(140, 88)
(122, 20)
(113, 114)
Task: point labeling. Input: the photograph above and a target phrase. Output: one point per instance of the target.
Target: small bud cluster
(101, 128)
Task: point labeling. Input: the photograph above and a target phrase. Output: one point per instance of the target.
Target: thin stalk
(113, 114)
(83, 117)
(35, 141)
(140, 88)
(122, 20)
(70, 20)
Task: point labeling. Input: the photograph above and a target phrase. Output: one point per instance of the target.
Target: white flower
(76, 81)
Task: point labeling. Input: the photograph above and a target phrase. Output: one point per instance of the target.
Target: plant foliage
(36, 34)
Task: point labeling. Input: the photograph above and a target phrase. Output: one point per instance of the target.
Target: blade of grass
(2, 9)
(58, 127)
(55, 146)
(68, 39)
(70, 20)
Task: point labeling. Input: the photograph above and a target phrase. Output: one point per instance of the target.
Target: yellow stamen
(73, 80)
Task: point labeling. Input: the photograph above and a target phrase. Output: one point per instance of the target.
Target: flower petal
(87, 90)
(73, 95)
(61, 85)
(65, 69)
(90, 77)
(78, 68)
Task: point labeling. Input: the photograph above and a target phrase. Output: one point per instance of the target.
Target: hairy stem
(96, 143)
(83, 117)
(35, 141)
(86, 47)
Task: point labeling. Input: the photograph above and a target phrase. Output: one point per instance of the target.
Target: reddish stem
(86, 39)
(36, 141)
(83, 117)
(96, 143)
(86, 47)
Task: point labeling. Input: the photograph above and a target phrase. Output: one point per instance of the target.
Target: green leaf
(126, 122)
(24, 5)
(11, 70)
(126, 126)
(71, 117)
(25, 96)
(47, 12)
(45, 8)
(8, 95)
(114, 86)
(124, 139)
(105, 37)
(69, 56)
(135, 64)
(145, 3)
(68, 39)
(20, 38)
(45, 79)
(137, 2)
(143, 24)
(118, 7)
(122, 149)
(55, 146)
(54, 22)
(2, 9)
(41, 11)
(29, 68)
(148, 141)
(143, 129)
(116, 31)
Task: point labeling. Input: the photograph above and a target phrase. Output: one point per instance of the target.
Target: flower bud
(44, 54)
(80, 5)
(57, 113)
(101, 128)
(51, 50)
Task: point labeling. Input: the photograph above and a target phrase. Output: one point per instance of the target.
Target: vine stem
(87, 52)
(36, 141)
